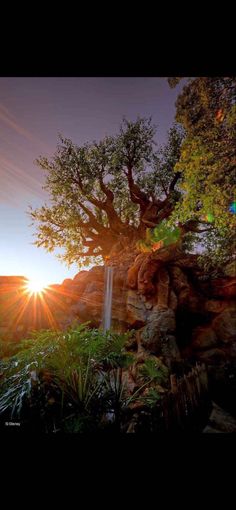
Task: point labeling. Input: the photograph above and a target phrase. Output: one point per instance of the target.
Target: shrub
(59, 379)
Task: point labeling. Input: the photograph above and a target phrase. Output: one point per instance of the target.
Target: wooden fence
(186, 406)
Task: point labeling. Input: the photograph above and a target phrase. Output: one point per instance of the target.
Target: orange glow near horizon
(34, 304)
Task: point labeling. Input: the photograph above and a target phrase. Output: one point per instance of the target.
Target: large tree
(206, 108)
(104, 196)
(122, 191)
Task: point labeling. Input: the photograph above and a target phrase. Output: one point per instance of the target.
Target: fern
(154, 370)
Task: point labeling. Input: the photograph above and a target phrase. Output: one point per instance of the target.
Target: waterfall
(107, 304)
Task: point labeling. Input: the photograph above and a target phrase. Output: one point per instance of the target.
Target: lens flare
(209, 217)
(232, 207)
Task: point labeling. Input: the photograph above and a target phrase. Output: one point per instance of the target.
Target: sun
(35, 286)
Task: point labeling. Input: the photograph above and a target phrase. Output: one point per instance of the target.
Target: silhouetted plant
(152, 397)
(154, 370)
(60, 378)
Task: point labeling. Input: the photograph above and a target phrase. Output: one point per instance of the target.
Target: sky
(33, 111)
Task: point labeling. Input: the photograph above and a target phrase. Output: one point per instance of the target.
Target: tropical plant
(153, 370)
(60, 379)
(152, 397)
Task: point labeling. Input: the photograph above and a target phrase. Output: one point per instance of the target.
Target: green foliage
(155, 374)
(158, 237)
(165, 160)
(152, 397)
(61, 378)
(100, 192)
(206, 109)
(91, 204)
(154, 371)
(173, 81)
(78, 178)
(168, 235)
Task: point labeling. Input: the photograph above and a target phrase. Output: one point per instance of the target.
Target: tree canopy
(206, 108)
(125, 191)
(107, 192)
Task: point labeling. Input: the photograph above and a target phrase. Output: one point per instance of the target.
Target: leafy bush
(152, 397)
(154, 370)
(60, 379)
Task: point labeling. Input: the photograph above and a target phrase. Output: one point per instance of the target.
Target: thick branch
(109, 194)
(136, 194)
(93, 223)
(157, 212)
(174, 181)
(107, 206)
(192, 226)
(77, 180)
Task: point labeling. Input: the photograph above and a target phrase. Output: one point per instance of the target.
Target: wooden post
(197, 382)
(173, 383)
(204, 377)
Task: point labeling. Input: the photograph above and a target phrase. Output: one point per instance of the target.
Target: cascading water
(107, 305)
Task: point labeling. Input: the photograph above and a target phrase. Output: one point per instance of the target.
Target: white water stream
(107, 305)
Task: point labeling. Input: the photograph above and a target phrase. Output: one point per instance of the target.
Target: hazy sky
(32, 113)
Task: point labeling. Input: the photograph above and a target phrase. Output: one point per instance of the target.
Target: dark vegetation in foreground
(76, 381)
(83, 380)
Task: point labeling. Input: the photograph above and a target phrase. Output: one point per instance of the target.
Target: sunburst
(35, 286)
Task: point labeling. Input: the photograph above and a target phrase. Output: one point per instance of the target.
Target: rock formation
(176, 313)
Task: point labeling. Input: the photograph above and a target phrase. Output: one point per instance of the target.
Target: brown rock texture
(175, 311)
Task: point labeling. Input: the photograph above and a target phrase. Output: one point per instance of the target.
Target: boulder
(158, 334)
(163, 288)
(170, 350)
(80, 311)
(119, 311)
(212, 356)
(97, 274)
(80, 276)
(222, 287)
(204, 338)
(78, 287)
(179, 279)
(215, 305)
(93, 287)
(119, 278)
(136, 310)
(224, 326)
(94, 303)
(132, 275)
(220, 421)
(172, 302)
(67, 282)
(147, 271)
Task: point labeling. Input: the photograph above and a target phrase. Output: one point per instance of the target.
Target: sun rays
(31, 304)
(35, 286)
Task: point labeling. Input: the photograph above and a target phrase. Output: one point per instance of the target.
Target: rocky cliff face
(175, 312)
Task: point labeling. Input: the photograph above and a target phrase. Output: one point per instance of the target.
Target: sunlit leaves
(206, 108)
(160, 236)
